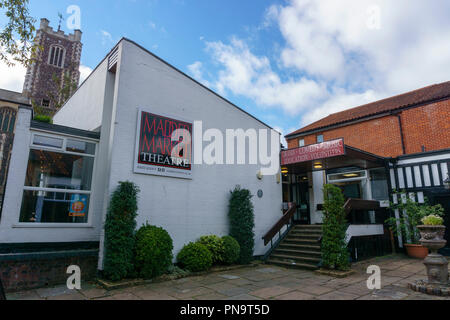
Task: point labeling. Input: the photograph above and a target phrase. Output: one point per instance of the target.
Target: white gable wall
(186, 208)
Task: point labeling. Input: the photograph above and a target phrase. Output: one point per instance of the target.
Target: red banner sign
(313, 152)
(163, 146)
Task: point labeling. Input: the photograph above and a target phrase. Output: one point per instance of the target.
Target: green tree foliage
(120, 227)
(195, 257)
(411, 215)
(16, 37)
(242, 222)
(214, 245)
(153, 251)
(231, 250)
(334, 248)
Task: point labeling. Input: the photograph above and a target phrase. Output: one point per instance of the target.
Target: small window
(48, 142)
(56, 56)
(320, 138)
(45, 103)
(80, 147)
(301, 142)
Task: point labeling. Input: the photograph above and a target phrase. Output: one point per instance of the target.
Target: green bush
(120, 226)
(242, 222)
(153, 251)
(43, 118)
(214, 245)
(334, 248)
(195, 257)
(231, 250)
(413, 213)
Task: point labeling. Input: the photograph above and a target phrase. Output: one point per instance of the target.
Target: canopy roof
(328, 155)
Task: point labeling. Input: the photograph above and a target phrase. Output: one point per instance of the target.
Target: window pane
(52, 207)
(11, 123)
(80, 147)
(301, 143)
(320, 139)
(5, 123)
(48, 141)
(378, 180)
(59, 171)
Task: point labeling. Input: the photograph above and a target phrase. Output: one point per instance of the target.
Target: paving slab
(270, 292)
(295, 295)
(338, 295)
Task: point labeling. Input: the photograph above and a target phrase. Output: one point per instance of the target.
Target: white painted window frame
(64, 137)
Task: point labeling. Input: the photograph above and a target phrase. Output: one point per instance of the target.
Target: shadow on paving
(261, 283)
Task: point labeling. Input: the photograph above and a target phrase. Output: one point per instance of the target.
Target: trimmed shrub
(43, 118)
(153, 251)
(195, 257)
(242, 223)
(334, 248)
(231, 250)
(214, 245)
(120, 226)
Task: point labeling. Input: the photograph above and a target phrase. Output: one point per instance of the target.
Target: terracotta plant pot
(416, 251)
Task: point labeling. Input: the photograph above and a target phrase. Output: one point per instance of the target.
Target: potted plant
(432, 232)
(411, 214)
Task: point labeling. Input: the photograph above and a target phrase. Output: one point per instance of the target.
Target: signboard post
(163, 146)
(313, 152)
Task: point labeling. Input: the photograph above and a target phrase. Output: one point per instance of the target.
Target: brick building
(54, 75)
(409, 123)
(399, 143)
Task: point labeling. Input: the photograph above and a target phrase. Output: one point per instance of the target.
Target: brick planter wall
(36, 270)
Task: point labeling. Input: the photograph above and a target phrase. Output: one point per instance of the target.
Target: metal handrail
(285, 220)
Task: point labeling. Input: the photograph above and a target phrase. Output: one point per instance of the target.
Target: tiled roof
(427, 94)
(12, 96)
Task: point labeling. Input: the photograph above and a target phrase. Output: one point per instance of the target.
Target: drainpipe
(398, 115)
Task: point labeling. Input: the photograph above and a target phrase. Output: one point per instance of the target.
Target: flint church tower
(54, 75)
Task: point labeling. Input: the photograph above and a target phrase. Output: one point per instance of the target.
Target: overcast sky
(287, 62)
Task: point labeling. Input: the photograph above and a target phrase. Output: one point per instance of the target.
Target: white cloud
(107, 38)
(85, 71)
(196, 72)
(245, 74)
(341, 61)
(12, 78)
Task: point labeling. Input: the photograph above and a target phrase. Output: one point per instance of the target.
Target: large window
(58, 180)
(57, 56)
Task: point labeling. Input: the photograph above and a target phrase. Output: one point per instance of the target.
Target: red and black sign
(164, 142)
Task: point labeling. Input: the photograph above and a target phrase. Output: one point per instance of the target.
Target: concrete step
(300, 253)
(300, 240)
(295, 265)
(300, 247)
(293, 258)
(308, 227)
(307, 232)
(300, 235)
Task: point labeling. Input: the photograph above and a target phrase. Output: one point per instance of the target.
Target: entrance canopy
(327, 155)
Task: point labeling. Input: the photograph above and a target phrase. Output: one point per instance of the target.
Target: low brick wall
(41, 269)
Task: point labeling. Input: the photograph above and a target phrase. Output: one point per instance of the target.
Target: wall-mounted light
(259, 175)
(284, 170)
(351, 175)
(447, 182)
(318, 165)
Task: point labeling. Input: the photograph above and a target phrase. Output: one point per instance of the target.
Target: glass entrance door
(300, 194)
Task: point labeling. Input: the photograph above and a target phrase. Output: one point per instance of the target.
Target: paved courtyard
(262, 282)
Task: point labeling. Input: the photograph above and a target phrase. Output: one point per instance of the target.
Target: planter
(416, 251)
(436, 264)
